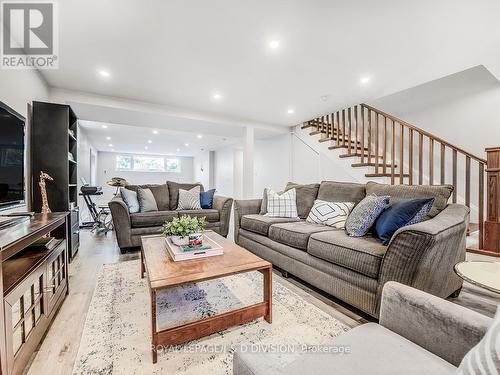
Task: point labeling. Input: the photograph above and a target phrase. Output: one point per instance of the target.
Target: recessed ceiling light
(273, 44)
(108, 138)
(364, 80)
(104, 126)
(104, 73)
(155, 131)
(110, 145)
(199, 136)
(178, 150)
(186, 144)
(290, 111)
(150, 141)
(217, 96)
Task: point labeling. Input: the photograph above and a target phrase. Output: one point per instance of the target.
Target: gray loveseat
(130, 227)
(418, 334)
(355, 269)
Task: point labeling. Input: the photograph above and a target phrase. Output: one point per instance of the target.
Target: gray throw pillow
(147, 200)
(362, 217)
(189, 199)
(130, 199)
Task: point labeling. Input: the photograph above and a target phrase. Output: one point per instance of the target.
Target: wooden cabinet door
(25, 319)
(57, 273)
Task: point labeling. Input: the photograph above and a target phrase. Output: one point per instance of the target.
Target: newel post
(492, 224)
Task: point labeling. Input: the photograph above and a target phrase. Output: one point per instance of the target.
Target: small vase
(180, 241)
(195, 239)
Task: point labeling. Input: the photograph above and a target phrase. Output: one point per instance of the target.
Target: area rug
(117, 334)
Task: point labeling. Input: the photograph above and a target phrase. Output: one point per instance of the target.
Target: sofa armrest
(439, 326)
(242, 208)
(223, 205)
(423, 255)
(121, 221)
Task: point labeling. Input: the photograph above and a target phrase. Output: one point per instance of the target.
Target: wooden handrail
(357, 130)
(425, 133)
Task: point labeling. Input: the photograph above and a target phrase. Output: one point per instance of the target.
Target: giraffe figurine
(45, 203)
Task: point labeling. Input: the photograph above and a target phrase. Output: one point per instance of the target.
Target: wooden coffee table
(162, 272)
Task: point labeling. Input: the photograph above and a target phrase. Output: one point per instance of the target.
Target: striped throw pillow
(484, 358)
(189, 199)
(333, 214)
(282, 205)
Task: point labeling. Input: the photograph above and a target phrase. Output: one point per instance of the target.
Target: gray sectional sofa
(355, 269)
(418, 334)
(130, 227)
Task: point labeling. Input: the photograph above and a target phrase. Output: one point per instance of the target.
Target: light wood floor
(58, 351)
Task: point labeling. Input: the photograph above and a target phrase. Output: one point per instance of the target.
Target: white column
(248, 161)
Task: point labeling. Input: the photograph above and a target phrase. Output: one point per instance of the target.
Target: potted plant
(181, 229)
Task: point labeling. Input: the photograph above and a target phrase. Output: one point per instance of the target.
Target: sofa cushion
(374, 350)
(360, 254)
(295, 234)
(160, 192)
(305, 196)
(260, 223)
(332, 191)
(147, 201)
(211, 215)
(173, 190)
(151, 219)
(440, 193)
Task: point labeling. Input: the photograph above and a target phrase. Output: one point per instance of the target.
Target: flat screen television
(11, 157)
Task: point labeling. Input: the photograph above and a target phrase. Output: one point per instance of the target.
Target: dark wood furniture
(492, 224)
(33, 284)
(53, 138)
(162, 272)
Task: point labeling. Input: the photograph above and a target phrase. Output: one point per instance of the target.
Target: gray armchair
(418, 334)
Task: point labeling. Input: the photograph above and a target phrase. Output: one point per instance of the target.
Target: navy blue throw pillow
(400, 214)
(207, 198)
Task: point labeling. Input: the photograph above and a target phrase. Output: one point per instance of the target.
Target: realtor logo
(29, 35)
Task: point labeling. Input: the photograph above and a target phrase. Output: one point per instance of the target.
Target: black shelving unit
(54, 150)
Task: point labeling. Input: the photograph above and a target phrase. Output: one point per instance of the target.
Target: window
(173, 165)
(141, 163)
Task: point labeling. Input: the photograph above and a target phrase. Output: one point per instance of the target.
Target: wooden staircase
(404, 154)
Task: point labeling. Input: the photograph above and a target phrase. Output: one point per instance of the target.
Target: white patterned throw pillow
(484, 358)
(333, 214)
(282, 205)
(189, 199)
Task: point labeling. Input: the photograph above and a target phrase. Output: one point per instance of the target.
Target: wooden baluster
(349, 130)
(355, 129)
(393, 151)
(455, 176)
(369, 145)
(332, 126)
(431, 161)
(442, 169)
(338, 128)
(481, 205)
(376, 143)
(467, 181)
(401, 153)
(410, 157)
(384, 147)
(420, 159)
(343, 127)
(362, 134)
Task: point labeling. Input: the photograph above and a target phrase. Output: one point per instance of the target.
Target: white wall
(106, 162)
(87, 162)
(227, 179)
(272, 164)
(204, 168)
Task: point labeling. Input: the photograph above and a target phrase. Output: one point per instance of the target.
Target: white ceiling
(134, 139)
(179, 52)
